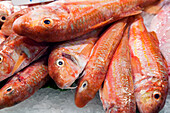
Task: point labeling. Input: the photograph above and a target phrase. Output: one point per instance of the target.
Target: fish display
(117, 91)
(96, 68)
(149, 68)
(68, 20)
(16, 52)
(99, 45)
(67, 61)
(7, 8)
(24, 83)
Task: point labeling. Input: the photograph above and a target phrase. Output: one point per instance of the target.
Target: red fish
(117, 92)
(68, 60)
(16, 52)
(68, 20)
(96, 68)
(148, 67)
(24, 84)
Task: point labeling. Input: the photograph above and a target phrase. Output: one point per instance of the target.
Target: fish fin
(132, 12)
(152, 9)
(102, 23)
(154, 37)
(155, 8)
(19, 62)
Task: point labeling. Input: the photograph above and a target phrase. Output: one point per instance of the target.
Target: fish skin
(74, 55)
(148, 67)
(68, 20)
(117, 92)
(13, 48)
(2, 37)
(24, 83)
(7, 8)
(96, 68)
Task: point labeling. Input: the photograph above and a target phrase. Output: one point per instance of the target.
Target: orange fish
(68, 60)
(69, 19)
(96, 68)
(2, 37)
(149, 68)
(24, 83)
(117, 92)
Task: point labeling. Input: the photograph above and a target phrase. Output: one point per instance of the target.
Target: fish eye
(9, 90)
(1, 58)
(60, 62)
(83, 86)
(156, 95)
(47, 22)
(3, 18)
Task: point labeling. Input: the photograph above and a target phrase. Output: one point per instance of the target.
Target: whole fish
(16, 52)
(96, 68)
(24, 83)
(2, 37)
(6, 9)
(117, 92)
(68, 60)
(68, 20)
(148, 67)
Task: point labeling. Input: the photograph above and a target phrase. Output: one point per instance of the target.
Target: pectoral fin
(19, 62)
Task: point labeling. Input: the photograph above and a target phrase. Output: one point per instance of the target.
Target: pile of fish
(102, 44)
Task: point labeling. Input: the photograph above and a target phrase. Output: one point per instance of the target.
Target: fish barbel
(16, 52)
(7, 8)
(117, 92)
(24, 83)
(70, 19)
(96, 68)
(149, 68)
(67, 61)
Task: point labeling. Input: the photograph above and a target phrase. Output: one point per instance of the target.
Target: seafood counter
(96, 56)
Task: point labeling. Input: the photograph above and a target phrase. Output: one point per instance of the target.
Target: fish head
(84, 92)
(6, 65)
(8, 93)
(63, 68)
(38, 23)
(151, 99)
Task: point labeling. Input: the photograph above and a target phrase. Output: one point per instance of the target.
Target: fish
(160, 24)
(117, 91)
(96, 68)
(67, 60)
(2, 37)
(24, 84)
(149, 68)
(68, 20)
(17, 52)
(6, 9)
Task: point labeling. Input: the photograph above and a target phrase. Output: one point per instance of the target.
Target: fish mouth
(70, 57)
